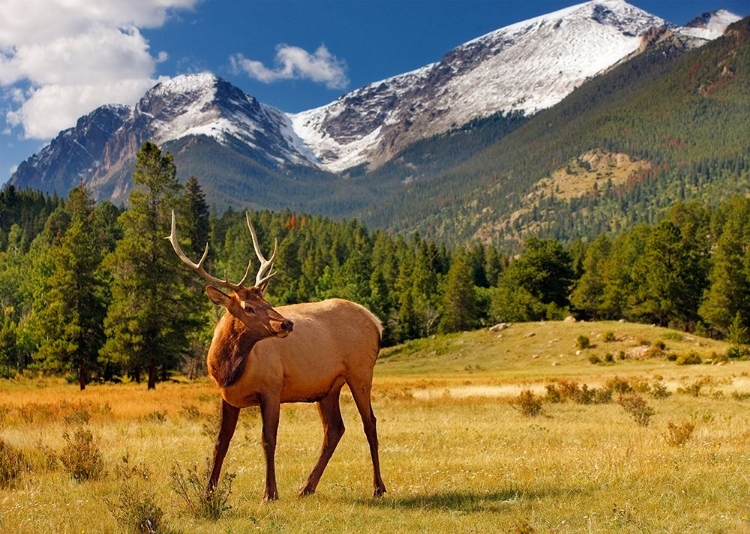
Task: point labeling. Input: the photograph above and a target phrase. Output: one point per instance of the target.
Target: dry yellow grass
(456, 456)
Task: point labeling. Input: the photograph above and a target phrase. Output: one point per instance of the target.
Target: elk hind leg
(333, 429)
(361, 391)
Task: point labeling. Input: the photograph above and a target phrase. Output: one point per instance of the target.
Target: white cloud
(292, 63)
(75, 55)
(53, 107)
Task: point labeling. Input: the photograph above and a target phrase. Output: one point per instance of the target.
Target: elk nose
(287, 326)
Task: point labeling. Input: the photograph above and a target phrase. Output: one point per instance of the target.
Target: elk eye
(248, 308)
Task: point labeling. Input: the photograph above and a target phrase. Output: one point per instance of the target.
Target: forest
(95, 292)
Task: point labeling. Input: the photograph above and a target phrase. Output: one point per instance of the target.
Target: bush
(583, 342)
(694, 388)
(80, 456)
(553, 395)
(609, 336)
(637, 408)
(12, 463)
(528, 404)
(691, 358)
(191, 486)
(678, 434)
(659, 390)
(618, 385)
(594, 359)
(135, 507)
(580, 394)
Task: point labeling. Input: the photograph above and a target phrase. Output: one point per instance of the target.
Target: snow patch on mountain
(709, 26)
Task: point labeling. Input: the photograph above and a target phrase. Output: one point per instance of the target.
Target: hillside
(543, 350)
(681, 113)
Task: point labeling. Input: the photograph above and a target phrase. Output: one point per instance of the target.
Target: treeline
(97, 293)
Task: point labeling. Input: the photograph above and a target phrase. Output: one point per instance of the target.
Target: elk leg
(269, 409)
(229, 416)
(361, 394)
(333, 429)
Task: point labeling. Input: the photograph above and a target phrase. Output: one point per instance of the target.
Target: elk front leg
(229, 416)
(269, 409)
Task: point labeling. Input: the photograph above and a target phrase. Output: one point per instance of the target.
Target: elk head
(246, 303)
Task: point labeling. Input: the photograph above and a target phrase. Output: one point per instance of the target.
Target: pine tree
(152, 311)
(70, 308)
(459, 311)
(728, 294)
(589, 290)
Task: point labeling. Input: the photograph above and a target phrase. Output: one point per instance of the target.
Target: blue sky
(60, 60)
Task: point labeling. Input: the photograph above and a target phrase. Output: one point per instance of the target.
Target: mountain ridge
(386, 120)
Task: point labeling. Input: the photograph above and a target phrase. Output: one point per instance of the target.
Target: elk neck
(230, 350)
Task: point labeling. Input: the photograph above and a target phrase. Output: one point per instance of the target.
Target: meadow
(506, 431)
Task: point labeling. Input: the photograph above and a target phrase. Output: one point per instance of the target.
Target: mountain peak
(186, 84)
(709, 26)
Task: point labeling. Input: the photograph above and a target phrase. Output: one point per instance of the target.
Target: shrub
(583, 342)
(191, 486)
(637, 408)
(80, 456)
(134, 507)
(694, 388)
(609, 336)
(618, 385)
(609, 358)
(594, 359)
(156, 417)
(190, 412)
(553, 395)
(691, 358)
(580, 394)
(678, 434)
(659, 344)
(659, 390)
(527, 403)
(12, 463)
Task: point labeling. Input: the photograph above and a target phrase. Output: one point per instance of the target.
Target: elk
(261, 356)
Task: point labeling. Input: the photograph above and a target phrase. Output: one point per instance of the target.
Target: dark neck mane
(228, 354)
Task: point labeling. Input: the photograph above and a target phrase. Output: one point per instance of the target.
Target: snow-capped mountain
(525, 67)
(101, 148)
(528, 66)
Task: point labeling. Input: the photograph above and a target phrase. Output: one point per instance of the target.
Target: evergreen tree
(589, 290)
(459, 311)
(728, 294)
(197, 222)
(71, 312)
(671, 278)
(152, 311)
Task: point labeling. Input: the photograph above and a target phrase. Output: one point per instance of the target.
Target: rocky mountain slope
(250, 154)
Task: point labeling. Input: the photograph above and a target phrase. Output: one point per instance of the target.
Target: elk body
(261, 356)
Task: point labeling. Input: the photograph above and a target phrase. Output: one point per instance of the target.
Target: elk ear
(217, 297)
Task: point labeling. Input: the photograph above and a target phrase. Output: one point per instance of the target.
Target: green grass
(456, 456)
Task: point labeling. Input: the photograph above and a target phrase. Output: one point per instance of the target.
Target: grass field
(458, 452)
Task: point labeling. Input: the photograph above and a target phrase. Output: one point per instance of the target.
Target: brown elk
(261, 356)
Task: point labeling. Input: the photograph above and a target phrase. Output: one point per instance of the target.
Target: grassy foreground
(458, 454)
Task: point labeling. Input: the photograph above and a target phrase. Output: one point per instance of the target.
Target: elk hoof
(379, 491)
(305, 491)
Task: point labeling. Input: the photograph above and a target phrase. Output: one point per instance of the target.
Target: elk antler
(261, 279)
(198, 267)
